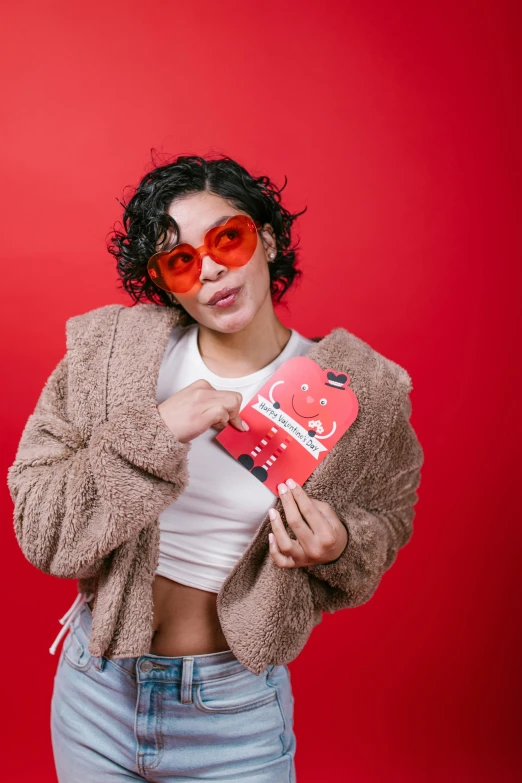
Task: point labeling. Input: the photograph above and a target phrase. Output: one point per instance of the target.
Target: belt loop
(99, 663)
(186, 680)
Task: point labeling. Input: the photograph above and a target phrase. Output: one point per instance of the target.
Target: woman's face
(195, 214)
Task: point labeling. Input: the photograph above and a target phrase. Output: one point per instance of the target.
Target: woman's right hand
(192, 410)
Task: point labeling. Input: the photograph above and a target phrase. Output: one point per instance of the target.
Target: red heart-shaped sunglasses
(231, 244)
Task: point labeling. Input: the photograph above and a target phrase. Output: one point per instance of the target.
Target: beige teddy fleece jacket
(96, 465)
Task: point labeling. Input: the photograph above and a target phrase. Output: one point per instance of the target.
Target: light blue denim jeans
(157, 718)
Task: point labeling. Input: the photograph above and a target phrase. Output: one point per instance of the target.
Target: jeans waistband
(178, 668)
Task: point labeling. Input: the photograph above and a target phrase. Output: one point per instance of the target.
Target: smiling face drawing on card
(295, 418)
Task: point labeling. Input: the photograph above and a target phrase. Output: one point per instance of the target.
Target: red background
(397, 124)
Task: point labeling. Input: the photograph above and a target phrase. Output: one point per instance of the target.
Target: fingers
(283, 561)
(286, 551)
(231, 402)
(239, 423)
(223, 408)
(304, 514)
(320, 537)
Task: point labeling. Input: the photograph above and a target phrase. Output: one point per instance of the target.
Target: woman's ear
(269, 241)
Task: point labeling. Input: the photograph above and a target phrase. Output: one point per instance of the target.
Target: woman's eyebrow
(214, 224)
(219, 221)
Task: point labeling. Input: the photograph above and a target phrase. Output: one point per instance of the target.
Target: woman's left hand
(321, 537)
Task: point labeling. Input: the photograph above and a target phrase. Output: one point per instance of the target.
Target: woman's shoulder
(350, 351)
(85, 326)
(99, 324)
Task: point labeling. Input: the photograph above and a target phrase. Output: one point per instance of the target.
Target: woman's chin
(230, 319)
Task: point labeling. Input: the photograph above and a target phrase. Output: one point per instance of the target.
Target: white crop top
(206, 530)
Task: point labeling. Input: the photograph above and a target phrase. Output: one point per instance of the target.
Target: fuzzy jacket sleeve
(75, 502)
(379, 521)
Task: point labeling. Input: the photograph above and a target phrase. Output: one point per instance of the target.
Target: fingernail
(244, 425)
(272, 513)
(271, 538)
(281, 488)
(291, 483)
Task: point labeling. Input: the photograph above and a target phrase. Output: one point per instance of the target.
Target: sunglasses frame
(198, 252)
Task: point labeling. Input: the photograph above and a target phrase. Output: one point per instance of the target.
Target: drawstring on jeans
(68, 618)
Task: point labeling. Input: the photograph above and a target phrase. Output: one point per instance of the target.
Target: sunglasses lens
(175, 271)
(234, 243)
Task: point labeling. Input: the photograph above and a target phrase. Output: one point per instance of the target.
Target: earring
(272, 255)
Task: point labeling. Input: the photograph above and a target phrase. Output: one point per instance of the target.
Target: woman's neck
(235, 354)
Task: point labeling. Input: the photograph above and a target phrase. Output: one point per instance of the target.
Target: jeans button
(146, 666)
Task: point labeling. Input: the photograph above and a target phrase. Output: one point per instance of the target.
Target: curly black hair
(146, 221)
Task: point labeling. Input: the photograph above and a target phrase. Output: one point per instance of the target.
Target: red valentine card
(295, 418)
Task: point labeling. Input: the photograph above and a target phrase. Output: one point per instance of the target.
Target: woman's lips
(229, 299)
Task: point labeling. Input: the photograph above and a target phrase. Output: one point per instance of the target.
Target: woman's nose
(210, 269)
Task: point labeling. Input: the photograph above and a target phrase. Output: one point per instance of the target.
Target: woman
(197, 586)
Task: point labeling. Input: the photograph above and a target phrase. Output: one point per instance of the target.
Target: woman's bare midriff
(185, 620)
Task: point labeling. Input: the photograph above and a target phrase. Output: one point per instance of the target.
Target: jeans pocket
(235, 693)
(76, 651)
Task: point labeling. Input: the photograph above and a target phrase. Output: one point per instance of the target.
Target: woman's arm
(379, 523)
(75, 502)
